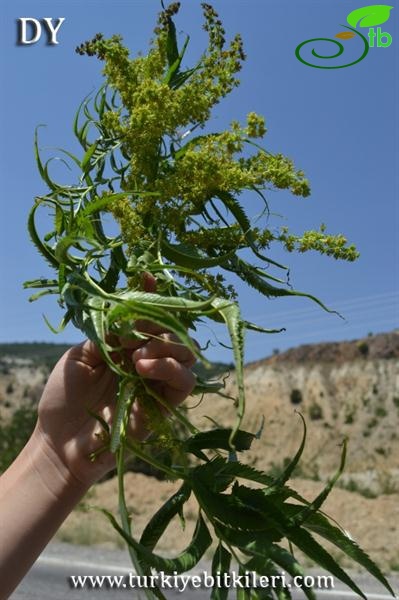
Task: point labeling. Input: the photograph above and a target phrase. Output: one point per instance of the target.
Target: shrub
(296, 396)
(363, 348)
(15, 434)
(380, 412)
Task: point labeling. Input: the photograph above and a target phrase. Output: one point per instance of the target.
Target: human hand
(81, 383)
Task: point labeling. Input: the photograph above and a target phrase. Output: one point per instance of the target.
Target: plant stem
(134, 447)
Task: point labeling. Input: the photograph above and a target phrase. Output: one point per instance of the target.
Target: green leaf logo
(369, 16)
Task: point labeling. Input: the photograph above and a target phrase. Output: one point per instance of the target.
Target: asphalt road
(50, 579)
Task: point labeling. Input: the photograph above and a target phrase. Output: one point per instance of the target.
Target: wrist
(51, 470)
(37, 493)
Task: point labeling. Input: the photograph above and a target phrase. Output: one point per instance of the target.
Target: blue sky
(340, 126)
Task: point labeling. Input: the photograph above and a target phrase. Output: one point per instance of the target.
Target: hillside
(346, 389)
(342, 389)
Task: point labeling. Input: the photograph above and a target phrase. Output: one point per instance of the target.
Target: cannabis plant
(174, 198)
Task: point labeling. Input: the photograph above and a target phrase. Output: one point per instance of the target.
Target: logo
(370, 17)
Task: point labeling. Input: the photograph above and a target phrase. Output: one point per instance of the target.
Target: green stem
(134, 447)
(125, 518)
(175, 412)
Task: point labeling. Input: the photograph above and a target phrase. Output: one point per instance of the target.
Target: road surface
(51, 578)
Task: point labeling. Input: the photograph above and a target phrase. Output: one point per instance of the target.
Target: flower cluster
(331, 245)
(160, 107)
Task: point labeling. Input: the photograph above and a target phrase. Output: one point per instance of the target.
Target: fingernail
(139, 353)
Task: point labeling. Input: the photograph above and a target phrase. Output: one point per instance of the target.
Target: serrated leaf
(319, 524)
(59, 220)
(369, 16)
(188, 256)
(231, 512)
(131, 310)
(218, 439)
(243, 221)
(251, 276)
(289, 469)
(161, 519)
(283, 559)
(307, 544)
(319, 500)
(264, 566)
(220, 564)
(187, 560)
(125, 397)
(47, 253)
(42, 282)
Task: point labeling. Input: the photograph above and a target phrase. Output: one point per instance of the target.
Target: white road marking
(349, 594)
(82, 564)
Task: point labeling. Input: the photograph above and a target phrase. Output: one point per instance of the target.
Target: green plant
(296, 396)
(381, 450)
(14, 434)
(175, 204)
(363, 348)
(380, 411)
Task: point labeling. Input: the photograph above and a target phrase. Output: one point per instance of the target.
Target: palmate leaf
(319, 524)
(187, 560)
(228, 510)
(280, 557)
(243, 471)
(307, 544)
(161, 519)
(234, 536)
(278, 517)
